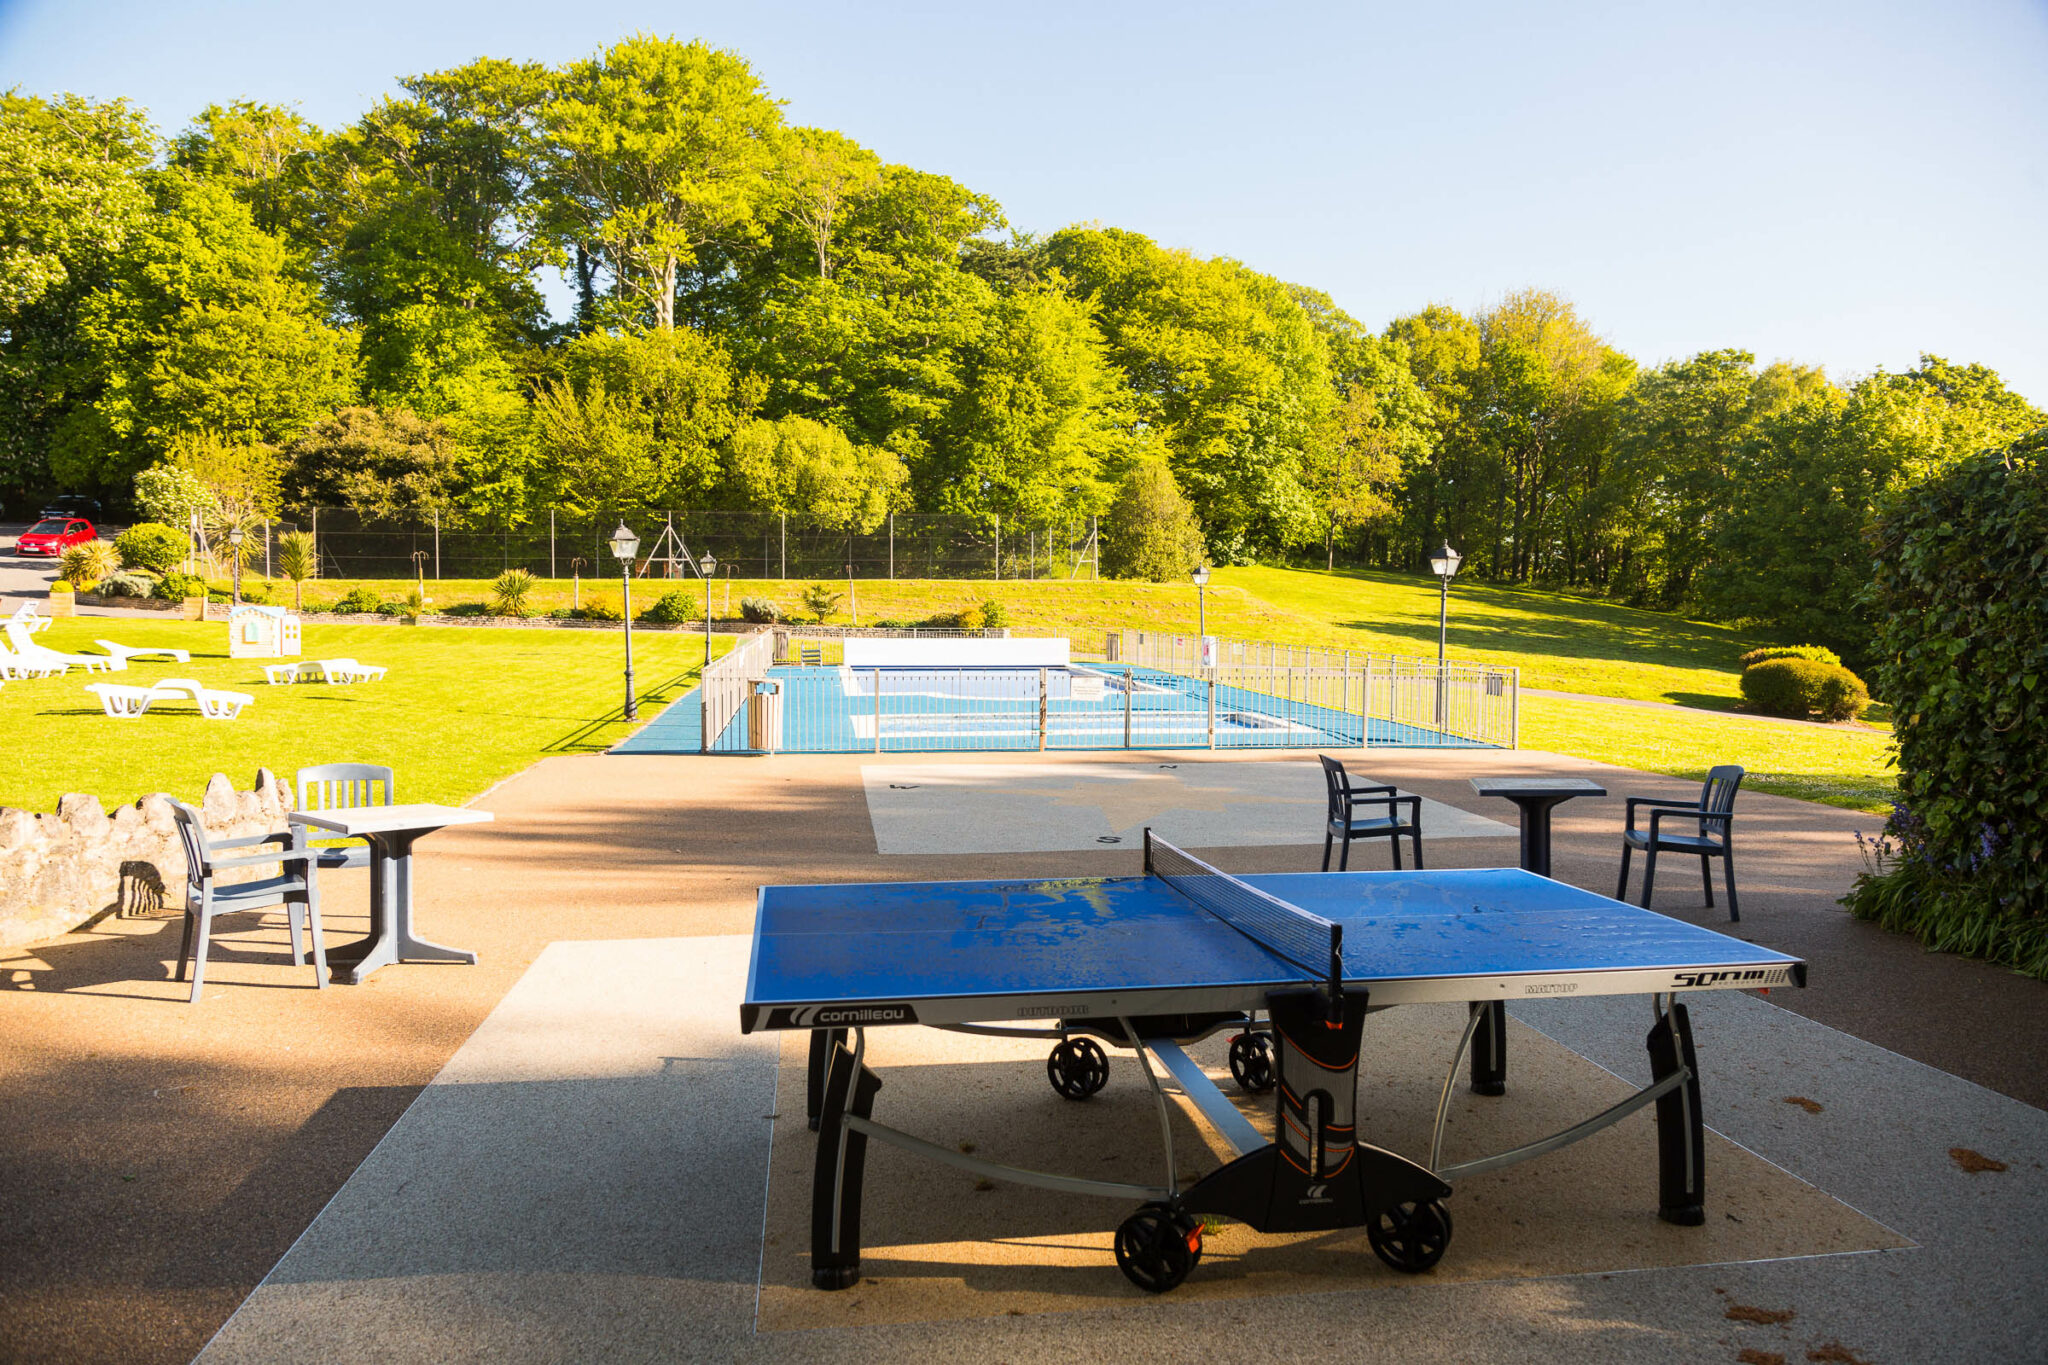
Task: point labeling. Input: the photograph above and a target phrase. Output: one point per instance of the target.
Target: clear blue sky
(1846, 184)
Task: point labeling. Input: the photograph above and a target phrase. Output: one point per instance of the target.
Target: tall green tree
(265, 155)
(802, 468)
(657, 150)
(200, 328)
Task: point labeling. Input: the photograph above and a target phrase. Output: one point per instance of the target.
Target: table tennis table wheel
(1410, 1237)
(1251, 1061)
(1078, 1068)
(1157, 1246)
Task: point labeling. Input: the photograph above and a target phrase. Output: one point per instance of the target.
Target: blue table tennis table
(1290, 964)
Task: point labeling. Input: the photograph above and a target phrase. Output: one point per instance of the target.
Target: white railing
(730, 681)
(1408, 696)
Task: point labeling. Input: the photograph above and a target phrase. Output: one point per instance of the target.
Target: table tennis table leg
(842, 1157)
(1490, 1049)
(1681, 1135)
(822, 1040)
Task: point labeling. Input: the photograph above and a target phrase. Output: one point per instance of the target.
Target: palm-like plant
(88, 563)
(297, 557)
(509, 591)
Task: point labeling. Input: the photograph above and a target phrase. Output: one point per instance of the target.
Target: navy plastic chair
(331, 785)
(1713, 836)
(297, 889)
(1346, 823)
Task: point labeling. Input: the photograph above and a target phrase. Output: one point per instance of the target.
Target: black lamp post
(1444, 564)
(235, 553)
(625, 545)
(709, 564)
(1201, 577)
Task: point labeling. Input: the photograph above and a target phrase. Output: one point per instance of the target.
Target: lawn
(460, 710)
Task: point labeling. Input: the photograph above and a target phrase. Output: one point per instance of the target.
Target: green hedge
(1801, 687)
(1818, 653)
(1961, 589)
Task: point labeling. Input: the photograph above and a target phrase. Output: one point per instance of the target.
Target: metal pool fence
(815, 704)
(1460, 703)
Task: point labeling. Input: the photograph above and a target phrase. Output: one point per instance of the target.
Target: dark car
(72, 505)
(52, 536)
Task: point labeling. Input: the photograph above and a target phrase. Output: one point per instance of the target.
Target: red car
(52, 536)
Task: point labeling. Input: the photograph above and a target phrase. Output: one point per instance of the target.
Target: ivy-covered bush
(1961, 592)
(597, 609)
(362, 599)
(1801, 687)
(151, 546)
(1818, 653)
(761, 611)
(671, 609)
(128, 585)
(994, 615)
(176, 587)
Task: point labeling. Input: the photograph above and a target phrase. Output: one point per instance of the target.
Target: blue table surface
(943, 940)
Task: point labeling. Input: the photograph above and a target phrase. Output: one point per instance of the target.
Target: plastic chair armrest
(283, 855)
(251, 840)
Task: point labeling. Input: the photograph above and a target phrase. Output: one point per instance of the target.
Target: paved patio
(587, 1175)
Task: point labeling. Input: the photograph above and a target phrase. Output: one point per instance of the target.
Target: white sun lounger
(127, 652)
(27, 614)
(126, 703)
(14, 666)
(29, 650)
(324, 670)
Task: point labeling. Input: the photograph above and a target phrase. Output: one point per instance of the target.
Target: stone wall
(61, 872)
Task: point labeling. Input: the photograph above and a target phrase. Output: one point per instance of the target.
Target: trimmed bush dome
(1818, 653)
(1961, 589)
(1800, 687)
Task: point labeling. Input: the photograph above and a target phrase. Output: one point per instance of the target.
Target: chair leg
(1327, 836)
(1707, 876)
(1416, 839)
(1728, 876)
(1649, 872)
(184, 945)
(1621, 882)
(291, 920)
(313, 928)
(199, 955)
(1395, 843)
(1344, 857)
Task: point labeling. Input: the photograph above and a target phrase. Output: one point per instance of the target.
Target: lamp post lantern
(235, 553)
(1444, 564)
(709, 564)
(1201, 577)
(625, 545)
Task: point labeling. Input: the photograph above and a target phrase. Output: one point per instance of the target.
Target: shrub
(176, 587)
(821, 601)
(362, 599)
(151, 546)
(672, 609)
(1150, 530)
(87, 563)
(994, 615)
(968, 618)
(1818, 653)
(128, 585)
(761, 611)
(464, 609)
(509, 591)
(1798, 687)
(297, 558)
(1960, 592)
(597, 609)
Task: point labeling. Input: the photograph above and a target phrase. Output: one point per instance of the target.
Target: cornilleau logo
(1731, 976)
(1316, 1196)
(841, 1016)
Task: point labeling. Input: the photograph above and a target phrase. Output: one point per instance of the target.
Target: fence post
(1365, 706)
(892, 545)
(551, 542)
(1212, 713)
(437, 545)
(317, 555)
(999, 547)
(784, 561)
(266, 547)
(1130, 688)
(1515, 709)
(1041, 710)
(878, 710)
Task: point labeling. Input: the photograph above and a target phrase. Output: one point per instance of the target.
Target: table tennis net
(1309, 941)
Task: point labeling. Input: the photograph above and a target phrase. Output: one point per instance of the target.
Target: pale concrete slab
(583, 1181)
(1037, 808)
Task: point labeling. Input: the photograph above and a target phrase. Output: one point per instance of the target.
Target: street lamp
(1444, 564)
(625, 545)
(709, 564)
(1201, 577)
(235, 553)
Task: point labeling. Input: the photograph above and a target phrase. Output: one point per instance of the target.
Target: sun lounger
(323, 670)
(27, 649)
(126, 703)
(27, 614)
(14, 666)
(127, 652)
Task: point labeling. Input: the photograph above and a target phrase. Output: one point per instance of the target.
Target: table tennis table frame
(841, 1089)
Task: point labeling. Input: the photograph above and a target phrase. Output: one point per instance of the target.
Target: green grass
(460, 710)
